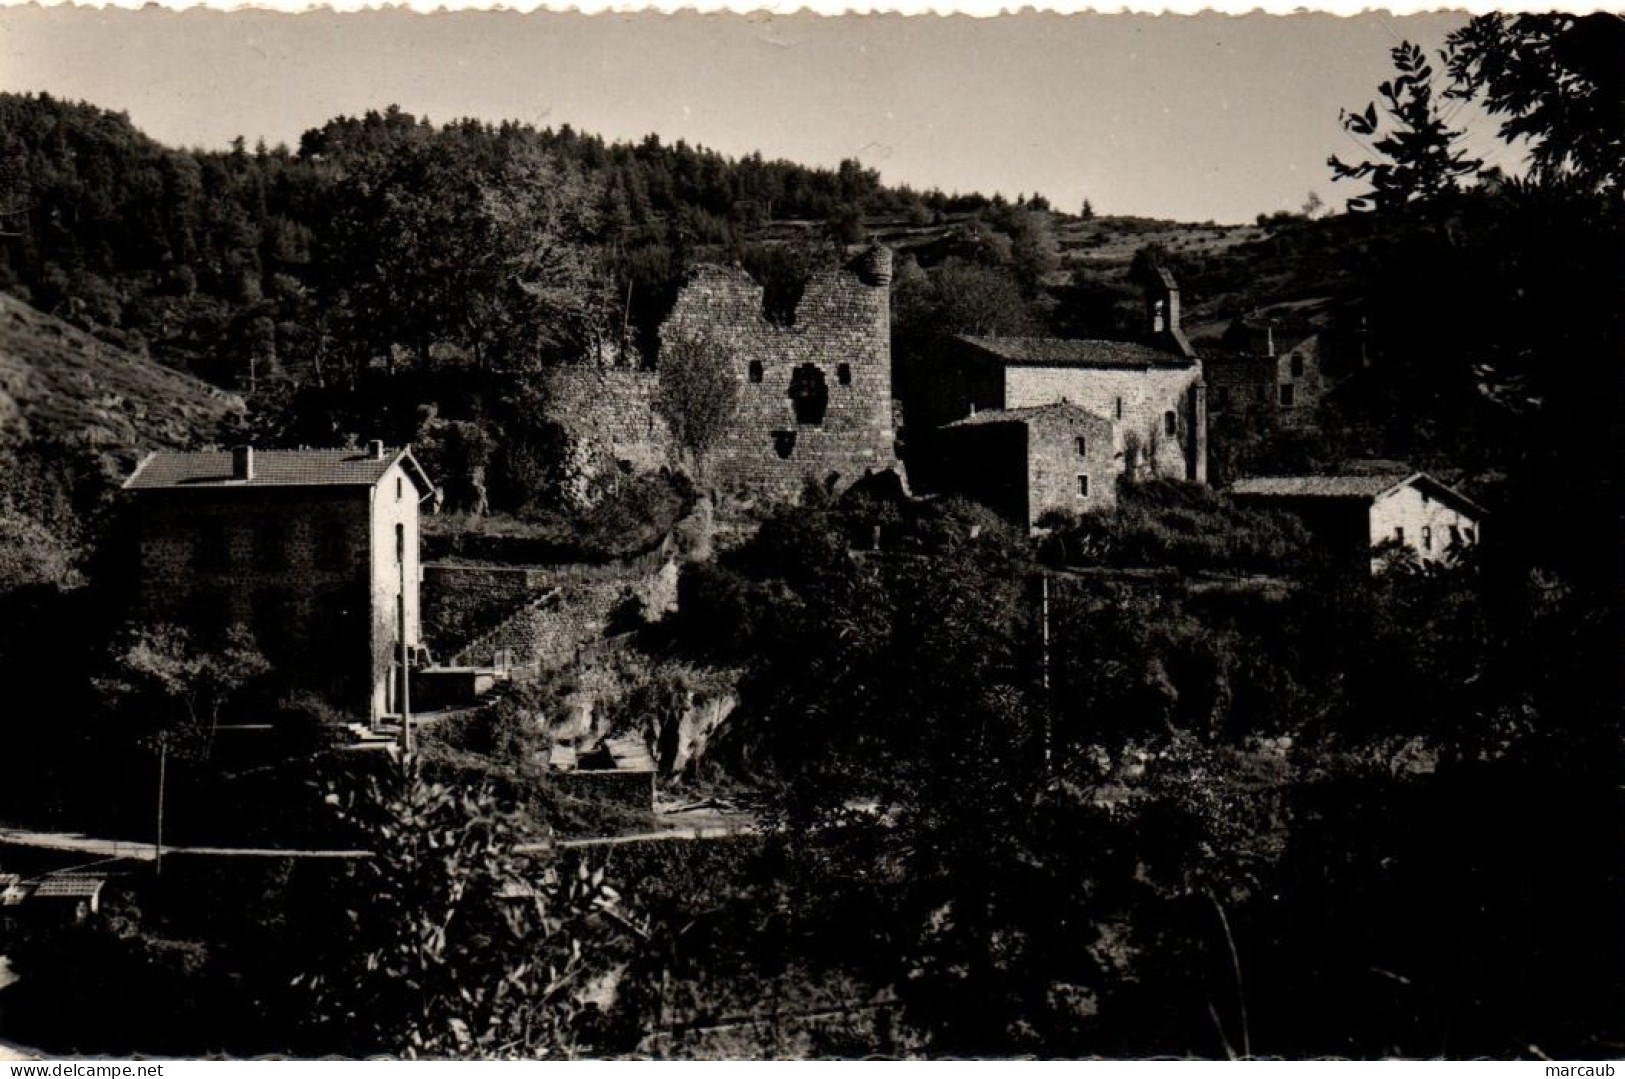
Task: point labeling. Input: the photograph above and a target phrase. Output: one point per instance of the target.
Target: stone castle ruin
(815, 389)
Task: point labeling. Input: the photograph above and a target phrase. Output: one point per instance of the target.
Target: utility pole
(1043, 607)
(406, 671)
(158, 839)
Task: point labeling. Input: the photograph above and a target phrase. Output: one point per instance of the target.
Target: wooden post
(1044, 604)
(158, 840)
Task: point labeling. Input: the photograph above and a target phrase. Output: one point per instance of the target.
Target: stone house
(1279, 366)
(1352, 515)
(1025, 462)
(1150, 392)
(314, 551)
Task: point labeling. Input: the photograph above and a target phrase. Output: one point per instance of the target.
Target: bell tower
(1162, 314)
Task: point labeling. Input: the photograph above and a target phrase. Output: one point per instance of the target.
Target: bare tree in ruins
(698, 394)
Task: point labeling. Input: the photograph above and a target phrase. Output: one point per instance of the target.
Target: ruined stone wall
(815, 396)
(628, 789)
(612, 409)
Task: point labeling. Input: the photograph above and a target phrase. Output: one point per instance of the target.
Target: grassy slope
(60, 384)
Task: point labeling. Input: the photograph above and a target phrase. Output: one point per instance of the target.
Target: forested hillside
(229, 263)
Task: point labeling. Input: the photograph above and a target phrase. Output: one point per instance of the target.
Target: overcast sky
(1196, 118)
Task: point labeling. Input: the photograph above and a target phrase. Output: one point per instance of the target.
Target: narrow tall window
(1170, 424)
(1399, 533)
(1297, 366)
(1083, 447)
(1083, 486)
(843, 374)
(1119, 408)
(398, 489)
(1289, 395)
(756, 370)
(1427, 537)
(400, 544)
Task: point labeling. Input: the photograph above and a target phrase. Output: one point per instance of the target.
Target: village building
(1148, 394)
(314, 551)
(1353, 516)
(1283, 368)
(1024, 463)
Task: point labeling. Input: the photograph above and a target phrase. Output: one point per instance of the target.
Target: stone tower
(815, 400)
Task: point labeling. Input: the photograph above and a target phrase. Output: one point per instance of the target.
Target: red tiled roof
(1066, 352)
(272, 468)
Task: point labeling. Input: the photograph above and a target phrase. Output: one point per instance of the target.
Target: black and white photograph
(547, 536)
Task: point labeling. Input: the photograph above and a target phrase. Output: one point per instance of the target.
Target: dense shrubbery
(1182, 526)
(630, 521)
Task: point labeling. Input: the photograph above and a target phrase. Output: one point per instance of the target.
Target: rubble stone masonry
(815, 397)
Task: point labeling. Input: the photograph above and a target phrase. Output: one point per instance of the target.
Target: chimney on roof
(375, 449)
(242, 462)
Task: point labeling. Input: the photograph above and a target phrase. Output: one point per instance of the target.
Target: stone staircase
(483, 650)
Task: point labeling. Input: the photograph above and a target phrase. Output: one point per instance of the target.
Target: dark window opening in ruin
(783, 273)
(1297, 366)
(1455, 536)
(809, 394)
(1427, 538)
(398, 489)
(1170, 424)
(400, 544)
(1083, 447)
(843, 374)
(1289, 395)
(1399, 533)
(756, 370)
(1119, 408)
(784, 444)
(1083, 486)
